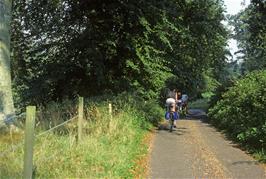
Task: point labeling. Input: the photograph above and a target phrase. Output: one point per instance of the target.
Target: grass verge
(111, 148)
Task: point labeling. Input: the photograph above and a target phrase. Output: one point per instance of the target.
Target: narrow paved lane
(196, 150)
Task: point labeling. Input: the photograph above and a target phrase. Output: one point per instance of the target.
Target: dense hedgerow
(242, 111)
(149, 109)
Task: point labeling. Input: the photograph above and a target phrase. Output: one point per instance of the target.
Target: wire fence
(18, 146)
(55, 127)
(30, 137)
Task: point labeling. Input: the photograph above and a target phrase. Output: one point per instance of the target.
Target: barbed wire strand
(51, 129)
(45, 159)
(14, 148)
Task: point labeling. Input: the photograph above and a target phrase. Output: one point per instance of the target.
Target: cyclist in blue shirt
(184, 99)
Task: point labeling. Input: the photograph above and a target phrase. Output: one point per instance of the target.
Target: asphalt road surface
(197, 150)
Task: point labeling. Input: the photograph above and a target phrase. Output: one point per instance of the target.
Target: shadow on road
(246, 162)
(176, 131)
(197, 114)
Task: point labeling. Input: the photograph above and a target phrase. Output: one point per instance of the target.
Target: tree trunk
(6, 99)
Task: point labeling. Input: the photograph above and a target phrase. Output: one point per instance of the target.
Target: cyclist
(184, 99)
(178, 101)
(171, 106)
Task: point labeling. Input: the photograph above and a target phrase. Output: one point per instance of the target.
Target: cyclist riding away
(178, 101)
(184, 99)
(171, 106)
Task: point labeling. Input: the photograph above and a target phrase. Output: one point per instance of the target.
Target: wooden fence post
(80, 118)
(110, 111)
(29, 142)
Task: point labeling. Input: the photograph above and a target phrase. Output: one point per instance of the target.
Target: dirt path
(196, 150)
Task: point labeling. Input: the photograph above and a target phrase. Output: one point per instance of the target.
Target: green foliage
(211, 84)
(250, 28)
(150, 110)
(225, 79)
(241, 112)
(65, 48)
(219, 91)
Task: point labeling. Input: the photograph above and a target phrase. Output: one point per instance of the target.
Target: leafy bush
(241, 111)
(219, 91)
(150, 109)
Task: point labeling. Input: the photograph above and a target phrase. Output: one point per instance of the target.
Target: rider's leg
(187, 108)
(176, 118)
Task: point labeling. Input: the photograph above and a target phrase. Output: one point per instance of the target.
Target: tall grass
(109, 148)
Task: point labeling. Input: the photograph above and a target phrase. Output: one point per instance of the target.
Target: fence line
(110, 111)
(29, 141)
(14, 148)
(28, 170)
(51, 129)
(30, 136)
(80, 118)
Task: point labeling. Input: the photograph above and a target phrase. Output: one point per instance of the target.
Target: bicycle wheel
(171, 120)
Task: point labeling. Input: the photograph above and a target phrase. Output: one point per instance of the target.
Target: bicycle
(170, 115)
(182, 108)
(171, 121)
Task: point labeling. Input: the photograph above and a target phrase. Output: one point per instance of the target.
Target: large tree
(6, 100)
(66, 47)
(250, 32)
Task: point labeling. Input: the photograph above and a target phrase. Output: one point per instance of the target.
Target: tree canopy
(65, 48)
(250, 32)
